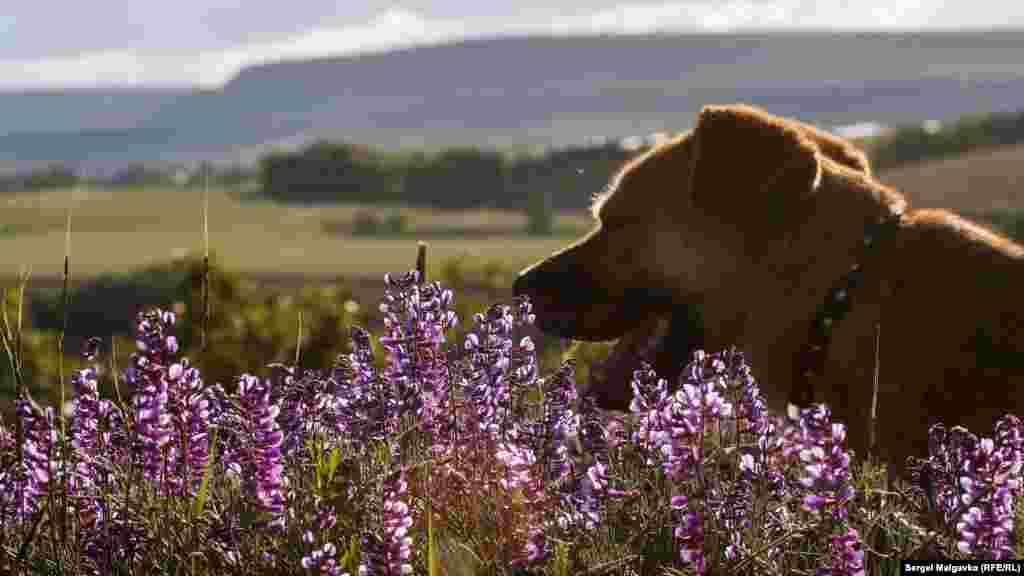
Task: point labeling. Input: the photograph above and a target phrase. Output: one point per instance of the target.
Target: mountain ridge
(522, 91)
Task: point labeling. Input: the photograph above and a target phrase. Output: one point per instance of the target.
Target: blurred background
(331, 136)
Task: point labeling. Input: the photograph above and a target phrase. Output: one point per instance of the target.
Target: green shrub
(248, 328)
(540, 218)
(396, 223)
(914, 143)
(366, 223)
(369, 223)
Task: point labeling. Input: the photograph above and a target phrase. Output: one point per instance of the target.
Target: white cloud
(643, 18)
(398, 28)
(390, 29)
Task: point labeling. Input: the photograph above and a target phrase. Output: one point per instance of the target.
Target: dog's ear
(838, 149)
(753, 170)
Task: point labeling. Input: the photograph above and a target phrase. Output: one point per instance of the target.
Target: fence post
(421, 261)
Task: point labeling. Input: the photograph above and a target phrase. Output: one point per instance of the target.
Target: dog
(790, 248)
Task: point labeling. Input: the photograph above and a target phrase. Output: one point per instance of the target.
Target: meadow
(123, 229)
(477, 465)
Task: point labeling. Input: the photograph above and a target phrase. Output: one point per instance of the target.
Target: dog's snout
(540, 281)
(548, 290)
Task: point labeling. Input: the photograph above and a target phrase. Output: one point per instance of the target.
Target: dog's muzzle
(566, 301)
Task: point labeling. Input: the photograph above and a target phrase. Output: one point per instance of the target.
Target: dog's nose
(536, 281)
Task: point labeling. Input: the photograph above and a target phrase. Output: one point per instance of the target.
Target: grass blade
(200, 501)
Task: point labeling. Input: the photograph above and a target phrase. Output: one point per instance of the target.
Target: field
(115, 231)
(979, 181)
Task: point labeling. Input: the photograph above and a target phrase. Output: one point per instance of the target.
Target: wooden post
(421, 261)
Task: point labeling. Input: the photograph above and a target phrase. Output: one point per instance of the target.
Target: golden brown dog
(754, 218)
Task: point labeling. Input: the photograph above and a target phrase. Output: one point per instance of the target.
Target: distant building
(861, 130)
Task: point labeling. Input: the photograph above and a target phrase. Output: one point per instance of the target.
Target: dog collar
(811, 357)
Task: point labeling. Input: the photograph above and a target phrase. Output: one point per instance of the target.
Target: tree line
(455, 178)
(469, 177)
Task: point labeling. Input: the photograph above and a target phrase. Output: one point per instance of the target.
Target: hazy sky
(53, 43)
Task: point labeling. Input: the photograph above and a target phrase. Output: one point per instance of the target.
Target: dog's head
(681, 222)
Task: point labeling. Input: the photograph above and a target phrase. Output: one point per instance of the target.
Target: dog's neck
(810, 359)
(807, 288)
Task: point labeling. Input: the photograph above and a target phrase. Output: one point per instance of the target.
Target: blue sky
(59, 43)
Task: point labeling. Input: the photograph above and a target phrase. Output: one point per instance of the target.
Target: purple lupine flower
(390, 553)
(948, 455)
(1009, 436)
(579, 502)
(298, 399)
(190, 416)
(147, 377)
(650, 396)
(826, 463)
(763, 460)
(85, 434)
(496, 366)
(311, 408)
(172, 408)
(820, 444)
(7, 463)
(321, 559)
(588, 493)
(537, 547)
(753, 423)
(971, 484)
(730, 504)
(368, 409)
(116, 536)
(760, 462)
(115, 438)
(689, 531)
(412, 341)
(8, 474)
(847, 555)
(518, 460)
(416, 317)
(688, 413)
(615, 433)
(553, 431)
(38, 463)
(988, 480)
(261, 461)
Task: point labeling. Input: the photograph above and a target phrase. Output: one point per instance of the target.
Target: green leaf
(200, 501)
(431, 545)
(332, 464)
(350, 561)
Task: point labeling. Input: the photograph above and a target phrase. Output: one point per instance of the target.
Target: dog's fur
(753, 217)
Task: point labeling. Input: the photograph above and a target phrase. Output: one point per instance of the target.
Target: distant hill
(514, 92)
(980, 181)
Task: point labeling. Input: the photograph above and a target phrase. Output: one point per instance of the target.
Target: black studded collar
(811, 357)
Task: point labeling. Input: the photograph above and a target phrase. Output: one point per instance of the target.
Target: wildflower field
(480, 466)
